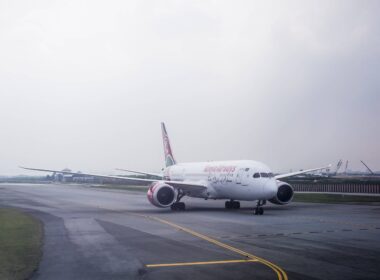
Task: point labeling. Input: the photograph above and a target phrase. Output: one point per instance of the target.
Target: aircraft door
(239, 175)
(245, 177)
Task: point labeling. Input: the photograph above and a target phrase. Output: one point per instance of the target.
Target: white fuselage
(237, 180)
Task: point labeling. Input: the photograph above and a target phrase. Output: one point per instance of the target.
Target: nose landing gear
(259, 210)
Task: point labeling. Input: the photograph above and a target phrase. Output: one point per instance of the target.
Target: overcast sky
(85, 84)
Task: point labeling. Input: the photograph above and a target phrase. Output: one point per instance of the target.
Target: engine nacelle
(284, 194)
(161, 194)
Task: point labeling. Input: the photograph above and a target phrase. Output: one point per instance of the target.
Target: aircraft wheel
(261, 210)
(181, 206)
(236, 204)
(227, 205)
(178, 206)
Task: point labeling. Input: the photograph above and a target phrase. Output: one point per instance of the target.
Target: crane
(345, 170)
(368, 168)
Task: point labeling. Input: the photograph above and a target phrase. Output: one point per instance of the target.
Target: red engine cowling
(284, 194)
(161, 194)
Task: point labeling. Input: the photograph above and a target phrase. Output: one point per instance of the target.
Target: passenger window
(256, 175)
(247, 169)
(265, 175)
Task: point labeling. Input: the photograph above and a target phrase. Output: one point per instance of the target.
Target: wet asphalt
(93, 233)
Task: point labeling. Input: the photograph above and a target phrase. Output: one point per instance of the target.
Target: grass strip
(20, 244)
(335, 198)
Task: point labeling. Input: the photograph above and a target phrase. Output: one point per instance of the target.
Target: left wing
(300, 172)
(185, 186)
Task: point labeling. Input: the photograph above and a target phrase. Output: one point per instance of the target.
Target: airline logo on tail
(169, 158)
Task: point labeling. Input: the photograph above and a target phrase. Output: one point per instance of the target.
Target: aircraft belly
(239, 192)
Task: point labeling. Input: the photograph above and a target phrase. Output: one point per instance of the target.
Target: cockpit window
(265, 175)
(256, 175)
(247, 169)
(270, 175)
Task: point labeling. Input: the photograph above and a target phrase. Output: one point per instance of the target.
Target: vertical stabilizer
(169, 158)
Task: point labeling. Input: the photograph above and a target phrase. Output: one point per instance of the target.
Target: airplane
(233, 181)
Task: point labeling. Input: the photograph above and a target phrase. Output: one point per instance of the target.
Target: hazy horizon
(85, 84)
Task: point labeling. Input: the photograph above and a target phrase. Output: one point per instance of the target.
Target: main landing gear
(232, 204)
(178, 206)
(259, 210)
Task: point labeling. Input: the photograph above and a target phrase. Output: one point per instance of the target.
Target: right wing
(300, 172)
(183, 185)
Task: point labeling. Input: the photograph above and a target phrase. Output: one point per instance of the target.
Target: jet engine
(161, 194)
(284, 194)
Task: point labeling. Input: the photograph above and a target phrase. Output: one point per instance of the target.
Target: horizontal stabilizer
(140, 172)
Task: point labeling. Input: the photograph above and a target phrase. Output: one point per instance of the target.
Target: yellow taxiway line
(199, 263)
(281, 275)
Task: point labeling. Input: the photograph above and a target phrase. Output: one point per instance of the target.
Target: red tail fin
(169, 158)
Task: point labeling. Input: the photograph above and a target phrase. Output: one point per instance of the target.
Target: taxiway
(93, 233)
